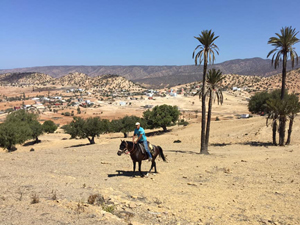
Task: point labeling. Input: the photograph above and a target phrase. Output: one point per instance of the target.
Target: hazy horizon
(122, 65)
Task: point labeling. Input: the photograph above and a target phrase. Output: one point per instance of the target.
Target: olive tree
(161, 116)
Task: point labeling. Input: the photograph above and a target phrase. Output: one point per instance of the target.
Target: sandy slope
(244, 180)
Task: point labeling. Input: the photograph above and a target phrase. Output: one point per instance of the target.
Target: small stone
(132, 205)
(192, 184)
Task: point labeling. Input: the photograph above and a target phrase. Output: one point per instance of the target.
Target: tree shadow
(123, 173)
(32, 143)
(156, 133)
(12, 149)
(79, 145)
(181, 151)
(220, 144)
(258, 143)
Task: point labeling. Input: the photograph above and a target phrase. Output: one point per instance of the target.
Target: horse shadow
(123, 173)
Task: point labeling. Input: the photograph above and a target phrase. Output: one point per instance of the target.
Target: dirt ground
(244, 180)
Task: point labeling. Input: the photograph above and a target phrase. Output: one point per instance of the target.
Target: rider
(140, 132)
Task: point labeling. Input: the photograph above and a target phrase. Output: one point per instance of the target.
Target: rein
(132, 150)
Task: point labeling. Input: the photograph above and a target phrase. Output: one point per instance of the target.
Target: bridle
(126, 149)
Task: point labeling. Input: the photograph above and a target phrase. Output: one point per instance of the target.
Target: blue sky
(136, 32)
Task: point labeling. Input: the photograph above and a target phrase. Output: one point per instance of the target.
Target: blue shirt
(140, 131)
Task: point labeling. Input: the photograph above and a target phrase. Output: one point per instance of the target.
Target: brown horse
(137, 155)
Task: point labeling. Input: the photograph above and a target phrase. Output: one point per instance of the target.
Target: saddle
(143, 150)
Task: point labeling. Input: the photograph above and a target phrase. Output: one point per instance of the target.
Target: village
(61, 103)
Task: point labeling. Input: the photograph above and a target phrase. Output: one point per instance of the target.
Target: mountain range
(159, 76)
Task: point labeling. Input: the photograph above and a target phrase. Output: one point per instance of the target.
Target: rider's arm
(141, 135)
(133, 137)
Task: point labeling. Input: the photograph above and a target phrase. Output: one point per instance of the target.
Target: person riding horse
(140, 133)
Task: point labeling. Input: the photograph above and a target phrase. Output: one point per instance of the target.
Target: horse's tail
(161, 153)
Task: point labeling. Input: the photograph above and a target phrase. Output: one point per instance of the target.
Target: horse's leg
(134, 163)
(140, 165)
(155, 171)
(152, 165)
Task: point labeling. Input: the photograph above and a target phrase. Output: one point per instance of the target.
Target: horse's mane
(129, 142)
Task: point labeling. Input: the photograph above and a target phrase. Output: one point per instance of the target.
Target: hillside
(254, 83)
(161, 75)
(105, 82)
(25, 78)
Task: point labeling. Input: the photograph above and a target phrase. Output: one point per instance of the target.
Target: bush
(258, 102)
(49, 126)
(126, 124)
(183, 122)
(87, 128)
(67, 114)
(161, 116)
(19, 127)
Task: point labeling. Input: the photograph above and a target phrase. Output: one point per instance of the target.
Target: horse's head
(122, 148)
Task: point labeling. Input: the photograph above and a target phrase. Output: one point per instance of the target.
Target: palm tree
(207, 51)
(283, 110)
(213, 78)
(283, 44)
(283, 47)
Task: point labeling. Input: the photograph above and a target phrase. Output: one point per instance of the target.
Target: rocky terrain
(26, 78)
(115, 82)
(72, 79)
(244, 180)
(254, 83)
(161, 76)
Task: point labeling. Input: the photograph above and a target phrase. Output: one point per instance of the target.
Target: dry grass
(35, 199)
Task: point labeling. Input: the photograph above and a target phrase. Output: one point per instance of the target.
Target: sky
(137, 32)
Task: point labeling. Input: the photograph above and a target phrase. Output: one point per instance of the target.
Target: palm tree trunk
(283, 76)
(282, 120)
(274, 132)
(208, 119)
(203, 149)
(288, 141)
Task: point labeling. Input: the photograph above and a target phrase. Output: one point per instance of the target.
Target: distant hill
(253, 84)
(161, 75)
(108, 82)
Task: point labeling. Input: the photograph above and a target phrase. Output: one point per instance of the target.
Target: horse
(137, 155)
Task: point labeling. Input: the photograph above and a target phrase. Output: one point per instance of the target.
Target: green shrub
(49, 126)
(161, 116)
